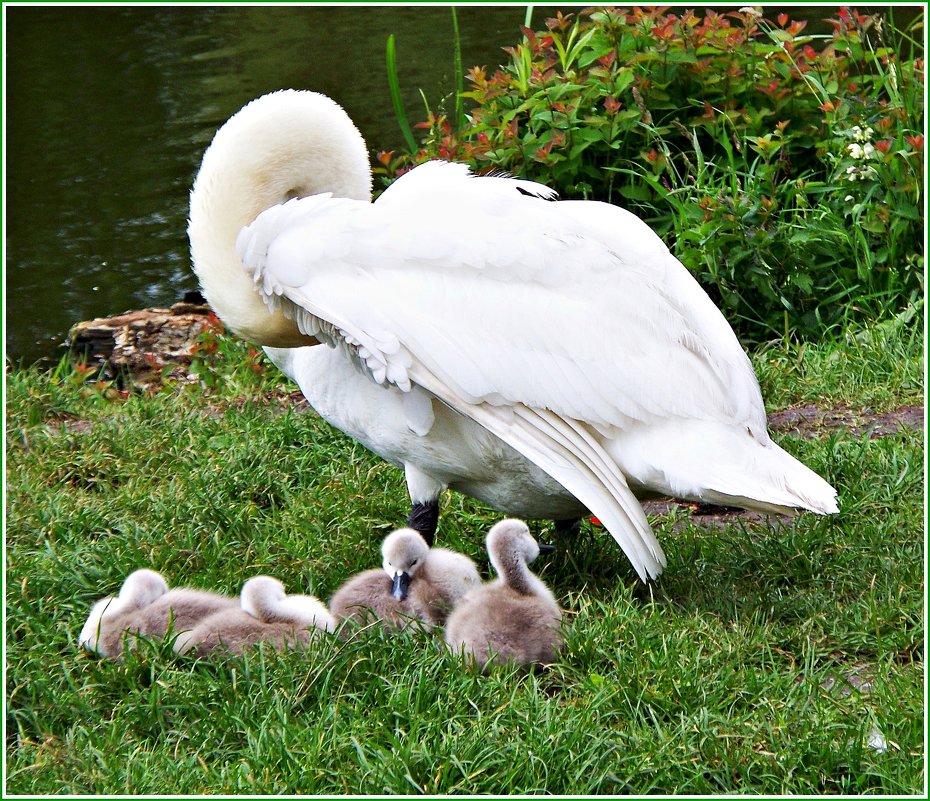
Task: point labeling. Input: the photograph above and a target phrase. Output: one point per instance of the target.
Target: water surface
(109, 111)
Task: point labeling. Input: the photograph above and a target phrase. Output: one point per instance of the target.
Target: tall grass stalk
(396, 97)
(458, 75)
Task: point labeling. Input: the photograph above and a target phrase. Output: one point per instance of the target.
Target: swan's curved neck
(515, 573)
(282, 145)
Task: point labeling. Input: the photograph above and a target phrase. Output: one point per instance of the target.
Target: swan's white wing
(546, 326)
(574, 307)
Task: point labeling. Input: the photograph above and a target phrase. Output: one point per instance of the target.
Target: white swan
(545, 357)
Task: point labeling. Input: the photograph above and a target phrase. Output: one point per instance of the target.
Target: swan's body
(514, 618)
(415, 582)
(265, 614)
(547, 357)
(145, 606)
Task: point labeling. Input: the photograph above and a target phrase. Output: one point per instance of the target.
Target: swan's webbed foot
(423, 518)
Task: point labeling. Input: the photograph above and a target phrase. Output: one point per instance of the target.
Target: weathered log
(145, 340)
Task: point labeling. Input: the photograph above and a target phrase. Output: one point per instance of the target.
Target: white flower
(848, 199)
(858, 151)
(856, 173)
(860, 135)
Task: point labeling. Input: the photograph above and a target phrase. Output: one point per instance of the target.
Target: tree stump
(145, 341)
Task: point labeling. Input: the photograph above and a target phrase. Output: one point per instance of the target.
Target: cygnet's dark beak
(400, 585)
(544, 548)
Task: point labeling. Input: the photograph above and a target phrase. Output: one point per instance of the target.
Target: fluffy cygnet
(415, 582)
(265, 614)
(146, 606)
(513, 618)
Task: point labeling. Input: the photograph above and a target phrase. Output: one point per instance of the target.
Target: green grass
(730, 674)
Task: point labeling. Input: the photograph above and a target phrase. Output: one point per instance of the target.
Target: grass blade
(396, 99)
(458, 119)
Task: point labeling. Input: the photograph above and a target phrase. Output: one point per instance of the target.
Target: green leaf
(635, 192)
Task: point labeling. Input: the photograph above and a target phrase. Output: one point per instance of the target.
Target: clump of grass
(743, 669)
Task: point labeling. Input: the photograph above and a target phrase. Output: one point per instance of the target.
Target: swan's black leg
(570, 527)
(424, 517)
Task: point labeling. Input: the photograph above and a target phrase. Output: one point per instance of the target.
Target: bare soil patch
(812, 421)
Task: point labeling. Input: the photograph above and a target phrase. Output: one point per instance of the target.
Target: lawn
(770, 658)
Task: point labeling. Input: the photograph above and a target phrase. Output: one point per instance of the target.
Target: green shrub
(784, 169)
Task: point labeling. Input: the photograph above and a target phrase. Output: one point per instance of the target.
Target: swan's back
(146, 607)
(235, 631)
(446, 576)
(265, 614)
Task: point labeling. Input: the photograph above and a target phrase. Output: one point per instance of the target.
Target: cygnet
(145, 606)
(514, 618)
(265, 614)
(416, 582)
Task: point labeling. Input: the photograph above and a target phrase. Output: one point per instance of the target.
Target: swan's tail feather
(712, 462)
(778, 483)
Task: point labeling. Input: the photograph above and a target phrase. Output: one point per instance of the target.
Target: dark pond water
(109, 110)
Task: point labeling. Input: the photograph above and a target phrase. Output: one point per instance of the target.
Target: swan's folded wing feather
(570, 326)
(572, 459)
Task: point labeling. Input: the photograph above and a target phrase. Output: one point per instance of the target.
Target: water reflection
(109, 111)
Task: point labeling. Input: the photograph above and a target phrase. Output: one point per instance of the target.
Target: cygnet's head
(140, 589)
(403, 552)
(259, 593)
(264, 598)
(510, 540)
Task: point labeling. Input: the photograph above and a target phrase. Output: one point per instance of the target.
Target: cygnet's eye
(414, 562)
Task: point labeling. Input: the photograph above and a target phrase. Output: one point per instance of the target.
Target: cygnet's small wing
(307, 611)
(453, 572)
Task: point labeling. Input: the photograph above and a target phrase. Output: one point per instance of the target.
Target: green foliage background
(785, 170)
